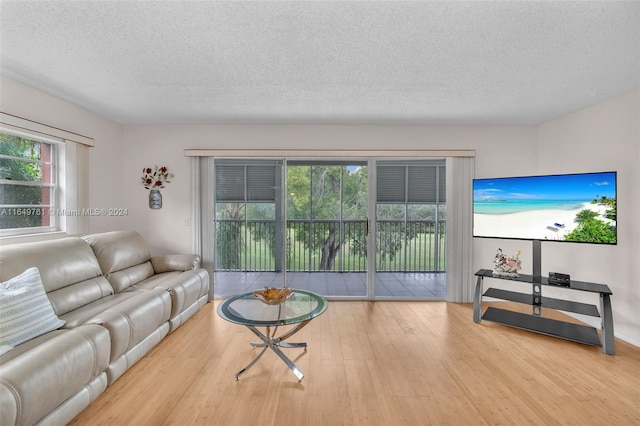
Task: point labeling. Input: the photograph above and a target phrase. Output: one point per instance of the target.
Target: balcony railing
(323, 245)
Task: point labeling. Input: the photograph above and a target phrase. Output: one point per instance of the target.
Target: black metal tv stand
(535, 322)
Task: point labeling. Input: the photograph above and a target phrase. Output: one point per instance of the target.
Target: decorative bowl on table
(273, 295)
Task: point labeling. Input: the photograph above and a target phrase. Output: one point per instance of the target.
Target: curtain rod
(19, 123)
(310, 153)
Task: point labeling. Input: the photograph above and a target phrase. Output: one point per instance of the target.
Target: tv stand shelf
(546, 302)
(551, 327)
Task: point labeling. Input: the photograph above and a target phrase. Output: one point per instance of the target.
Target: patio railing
(338, 246)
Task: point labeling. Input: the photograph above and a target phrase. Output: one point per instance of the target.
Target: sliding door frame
(202, 206)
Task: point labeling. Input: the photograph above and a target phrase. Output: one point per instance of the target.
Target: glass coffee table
(298, 310)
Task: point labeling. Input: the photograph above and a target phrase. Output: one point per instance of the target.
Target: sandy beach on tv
(534, 224)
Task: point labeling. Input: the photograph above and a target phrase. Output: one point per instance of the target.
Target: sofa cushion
(118, 250)
(77, 295)
(42, 376)
(60, 262)
(185, 287)
(69, 270)
(123, 256)
(129, 317)
(25, 310)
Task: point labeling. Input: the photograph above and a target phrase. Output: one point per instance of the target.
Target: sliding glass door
(327, 226)
(410, 229)
(314, 238)
(309, 224)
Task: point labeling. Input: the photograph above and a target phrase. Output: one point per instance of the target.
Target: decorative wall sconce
(153, 180)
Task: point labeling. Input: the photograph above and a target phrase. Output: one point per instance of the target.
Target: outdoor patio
(402, 285)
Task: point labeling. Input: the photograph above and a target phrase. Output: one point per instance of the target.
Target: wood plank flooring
(375, 363)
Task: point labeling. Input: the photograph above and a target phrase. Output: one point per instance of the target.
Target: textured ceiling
(324, 62)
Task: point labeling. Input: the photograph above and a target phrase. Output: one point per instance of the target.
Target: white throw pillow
(25, 310)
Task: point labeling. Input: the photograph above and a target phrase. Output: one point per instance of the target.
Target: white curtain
(76, 182)
(460, 173)
(202, 215)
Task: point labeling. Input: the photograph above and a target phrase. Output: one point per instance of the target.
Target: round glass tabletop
(246, 309)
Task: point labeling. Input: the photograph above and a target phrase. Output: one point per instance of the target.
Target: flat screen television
(577, 207)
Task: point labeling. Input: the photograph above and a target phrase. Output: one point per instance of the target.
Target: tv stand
(535, 322)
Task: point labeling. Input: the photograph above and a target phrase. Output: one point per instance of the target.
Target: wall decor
(154, 179)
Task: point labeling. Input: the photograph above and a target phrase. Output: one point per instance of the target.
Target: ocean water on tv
(517, 206)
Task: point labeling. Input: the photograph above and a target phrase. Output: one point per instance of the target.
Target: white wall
(107, 186)
(605, 137)
(499, 149)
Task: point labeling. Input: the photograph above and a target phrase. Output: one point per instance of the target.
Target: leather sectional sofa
(117, 302)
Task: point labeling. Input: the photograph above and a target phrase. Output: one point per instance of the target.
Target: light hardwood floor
(375, 363)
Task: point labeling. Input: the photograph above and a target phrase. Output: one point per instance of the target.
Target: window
(28, 185)
(44, 175)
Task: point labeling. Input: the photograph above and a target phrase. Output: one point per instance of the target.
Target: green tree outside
(331, 193)
(15, 170)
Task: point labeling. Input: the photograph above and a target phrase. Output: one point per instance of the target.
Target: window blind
(237, 182)
(419, 182)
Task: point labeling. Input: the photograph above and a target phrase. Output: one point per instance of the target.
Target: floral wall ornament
(153, 180)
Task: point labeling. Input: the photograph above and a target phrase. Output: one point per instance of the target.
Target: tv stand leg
(477, 301)
(607, 325)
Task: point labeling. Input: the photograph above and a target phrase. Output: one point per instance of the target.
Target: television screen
(572, 207)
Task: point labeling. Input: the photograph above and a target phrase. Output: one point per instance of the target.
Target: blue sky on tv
(580, 187)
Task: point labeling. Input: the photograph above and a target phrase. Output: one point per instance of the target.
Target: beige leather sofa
(127, 264)
(117, 302)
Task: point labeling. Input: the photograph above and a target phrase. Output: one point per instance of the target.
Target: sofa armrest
(175, 262)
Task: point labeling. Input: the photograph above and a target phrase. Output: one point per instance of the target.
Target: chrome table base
(269, 341)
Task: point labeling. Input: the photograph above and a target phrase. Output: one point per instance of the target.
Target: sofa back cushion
(60, 262)
(123, 256)
(70, 272)
(72, 297)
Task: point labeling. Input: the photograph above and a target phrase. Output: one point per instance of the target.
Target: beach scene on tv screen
(576, 207)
